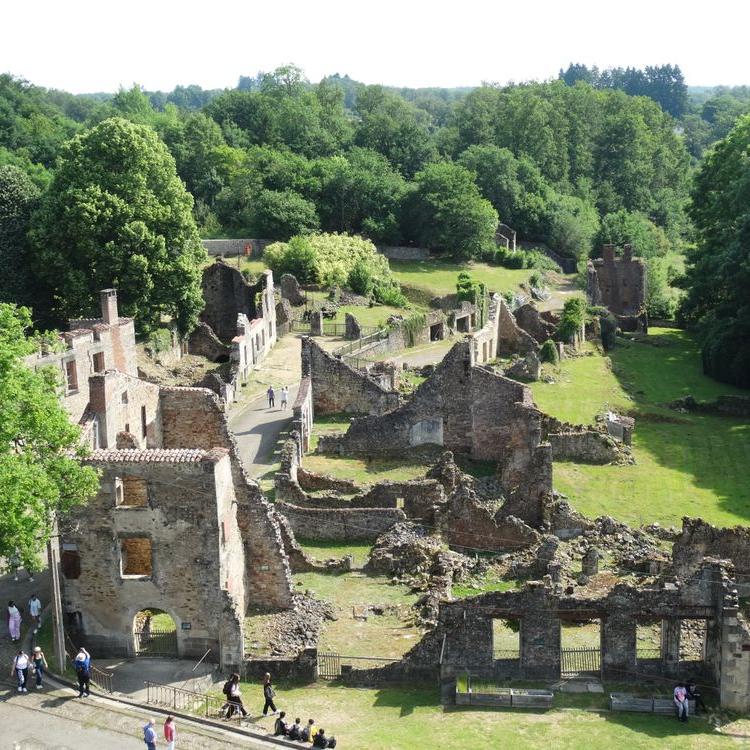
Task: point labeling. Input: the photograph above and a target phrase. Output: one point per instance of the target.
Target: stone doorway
(154, 634)
(580, 648)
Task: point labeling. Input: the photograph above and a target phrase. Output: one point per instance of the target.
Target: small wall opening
(70, 561)
(463, 325)
(648, 640)
(580, 648)
(99, 362)
(131, 492)
(692, 643)
(506, 639)
(135, 557)
(71, 376)
(154, 633)
(436, 332)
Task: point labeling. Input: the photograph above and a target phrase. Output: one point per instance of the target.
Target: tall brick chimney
(108, 299)
(608, 253)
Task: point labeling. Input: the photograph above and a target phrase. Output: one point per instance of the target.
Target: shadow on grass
(712, 450)
(407, 699)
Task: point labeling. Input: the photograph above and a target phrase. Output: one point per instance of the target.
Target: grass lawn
(411, 719)
(388, 635)
(439, 278)
(686, 464)
(324, 550)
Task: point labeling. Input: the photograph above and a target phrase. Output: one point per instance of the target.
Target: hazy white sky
(98, 45)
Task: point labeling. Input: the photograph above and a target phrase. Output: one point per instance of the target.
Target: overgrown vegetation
(572, 320)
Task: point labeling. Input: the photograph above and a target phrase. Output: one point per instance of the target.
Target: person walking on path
(271, 397)
(82, 664)
(269, 694)
(284, 397)
(169, 732)
(149, 734)
(14, 622)
(40, 665)
(20, 670)
(235, 697)
(35, 610)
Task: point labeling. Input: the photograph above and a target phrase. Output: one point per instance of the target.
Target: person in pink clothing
(14, 622)
(170, 733)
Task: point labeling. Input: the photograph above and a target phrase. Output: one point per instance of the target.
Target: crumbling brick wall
(337, 387)
(339, 524)
(193, 418)
(205, 343)
(618, 284)
(530, 320)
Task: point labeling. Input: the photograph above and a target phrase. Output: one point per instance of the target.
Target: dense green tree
(625, 228)
(18, 199)
(572, 225)
(360, 193)
(40, 475)
(447, 212)
(280, 214)
(116, 214)
(392, 127)
(718, 274)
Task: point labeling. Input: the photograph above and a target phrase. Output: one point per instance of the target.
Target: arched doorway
(154, 633)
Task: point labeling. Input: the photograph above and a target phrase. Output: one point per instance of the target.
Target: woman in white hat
(40, 665)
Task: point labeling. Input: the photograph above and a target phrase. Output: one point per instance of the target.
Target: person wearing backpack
(269, 694)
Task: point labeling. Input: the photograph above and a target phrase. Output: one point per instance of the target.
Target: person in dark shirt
(296, 729)
(280, 727)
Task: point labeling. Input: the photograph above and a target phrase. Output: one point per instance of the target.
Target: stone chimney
(608, 253)
(627, 253)
(108, 299)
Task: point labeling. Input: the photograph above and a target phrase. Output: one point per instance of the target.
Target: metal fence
(156, 641)
(330, 665)
(103, 680)
(177, 699)
(580, 661)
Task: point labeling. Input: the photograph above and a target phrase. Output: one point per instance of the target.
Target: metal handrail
(189, 701)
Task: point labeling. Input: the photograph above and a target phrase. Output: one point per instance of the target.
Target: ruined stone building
(237, 324)
(618, 284)
(470, 410)
(91, 345)
(176, 526)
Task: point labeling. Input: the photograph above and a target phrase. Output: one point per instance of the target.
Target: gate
(580, 661)
(329, 666)
(156, 641)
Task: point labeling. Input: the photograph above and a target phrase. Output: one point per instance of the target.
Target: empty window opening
(124, 397)
(135, 557)
(71, 376)
(506, 639)
(131, 492)
(144, 424)
(648, 640)
(99, 362)
(463, 324)
(692, 640)
(436, 332)
(70, 561)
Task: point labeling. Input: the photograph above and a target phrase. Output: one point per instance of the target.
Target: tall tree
(447, 212)
(117, 214)
(18, 199)
(40, 474)
(718, 275)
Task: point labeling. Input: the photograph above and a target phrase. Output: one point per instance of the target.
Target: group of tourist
(170, 733)
(14, 617)
(271, 395)
(683, 693)
(302, 733)
(23, 664)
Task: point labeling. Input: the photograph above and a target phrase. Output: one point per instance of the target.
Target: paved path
(257, 429)
(53, 719)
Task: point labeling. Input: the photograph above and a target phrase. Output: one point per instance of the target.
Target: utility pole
(53, 560)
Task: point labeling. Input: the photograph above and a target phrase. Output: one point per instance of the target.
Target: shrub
(549, 353)
(360, 279)
(159, 340)
(572, 319)
(390, 295)
(297, 257)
